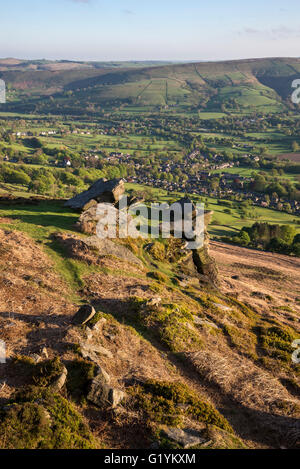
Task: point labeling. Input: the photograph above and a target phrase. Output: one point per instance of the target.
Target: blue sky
(149, 29)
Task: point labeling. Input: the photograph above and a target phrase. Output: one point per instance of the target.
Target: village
(213, 179)
(225, 185)
(208, 164)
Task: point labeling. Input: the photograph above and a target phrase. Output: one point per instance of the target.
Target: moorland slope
(240, 85)
(160, 352)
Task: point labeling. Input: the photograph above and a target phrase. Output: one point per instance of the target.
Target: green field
(224, 224)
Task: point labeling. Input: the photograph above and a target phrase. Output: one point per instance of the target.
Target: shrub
(40, 419)
(80, 373)
(276, 342)
(169, 322)
(167, 403)
(45, 373)
(158, 276)
(157, 251)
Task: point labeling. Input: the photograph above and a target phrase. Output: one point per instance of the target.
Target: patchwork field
(239, 86)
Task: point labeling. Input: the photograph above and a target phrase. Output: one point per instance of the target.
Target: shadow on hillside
(221, 230)
(261, 427)
(46, 220)
(45, 330)
(46, 214)
(277, 431)
(123, 312)
(35, 319)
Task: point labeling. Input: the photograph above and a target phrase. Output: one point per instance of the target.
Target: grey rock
(35, 357)
(88, 220)
(58, 384)
(106, 247)
(92, 350)
(44, 352)
(186, 437)
(90, 204)
(105, 220)
(99, 324)
(83, 315)
(113, 221)
(204, 265)
(2, 385)
(222, 307)
(101, 378)
(9, 324)
(154, 301)
(46, 414)
(103, 395)
(204, 322)
(108, 336)
(101, 191)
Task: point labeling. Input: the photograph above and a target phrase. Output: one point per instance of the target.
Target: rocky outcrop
(59, 383)
(104, 217)
(83, 315)
(88, 220)
(101, 191)
(102, 394)
(93, 351)
(206, 265)
(186, 437)
(100, 216)
(204, 262)
(90, 249)
(199, 262)
(203, 322)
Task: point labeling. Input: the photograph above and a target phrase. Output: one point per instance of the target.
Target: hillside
(178, 355)
(241, 85)
(11, 64)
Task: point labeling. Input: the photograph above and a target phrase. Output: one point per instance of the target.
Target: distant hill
(240, 85)
(9, 64)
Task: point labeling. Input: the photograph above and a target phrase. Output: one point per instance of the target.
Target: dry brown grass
(265, 281)
(8, 221)
(33, 306)
(34, 313)
(245, 382)
(134, 359)
(77, 248)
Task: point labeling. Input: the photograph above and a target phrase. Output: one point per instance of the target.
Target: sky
(174, 30)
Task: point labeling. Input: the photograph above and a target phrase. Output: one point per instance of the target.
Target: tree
(296, 249)
(38, 158)
(276, 245)
(18, 177)
(214, 183)
(287, 233)
(35, 143)
(244, 238)
(287, 207)
(259, 183)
